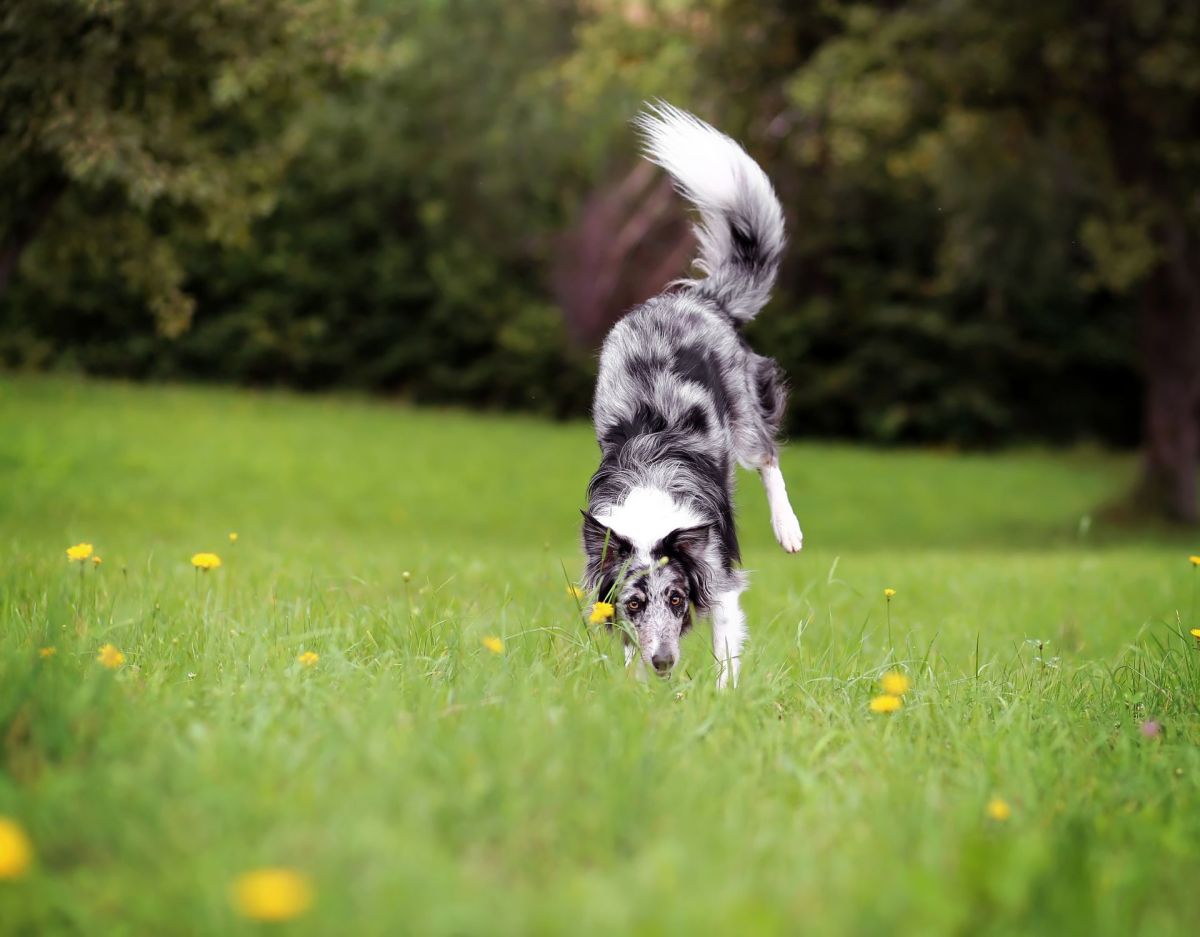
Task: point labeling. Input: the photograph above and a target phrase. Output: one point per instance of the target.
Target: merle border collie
(681, 397)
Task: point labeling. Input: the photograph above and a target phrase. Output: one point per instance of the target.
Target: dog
(680, 398)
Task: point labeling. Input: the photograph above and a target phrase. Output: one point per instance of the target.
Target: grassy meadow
(426, 784)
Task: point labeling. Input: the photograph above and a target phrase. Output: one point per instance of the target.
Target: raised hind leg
(783, 518)
(760, 451)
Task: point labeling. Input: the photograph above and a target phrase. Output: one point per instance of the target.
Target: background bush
(959, 270)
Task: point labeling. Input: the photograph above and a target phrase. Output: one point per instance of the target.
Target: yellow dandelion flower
(575, 592)
(895, 683)
(1194, 560)
(79, 552)
(47, 652)
(1196, 632)
(206, 561)
(998, 809)
(888, 593)
(885, 704)
(309, 659)
(272, 894)
(16, 852)
(233, 536)
(601, 611)
(494, 644)
(110, 657)
(96, 561)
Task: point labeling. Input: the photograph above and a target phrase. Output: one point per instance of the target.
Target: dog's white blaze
(646, 516)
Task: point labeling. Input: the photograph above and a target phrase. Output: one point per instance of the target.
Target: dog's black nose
(662, 663)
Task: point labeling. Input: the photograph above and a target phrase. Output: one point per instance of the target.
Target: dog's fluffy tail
(741, 222)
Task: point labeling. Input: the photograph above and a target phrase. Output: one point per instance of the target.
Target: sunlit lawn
(425, 784)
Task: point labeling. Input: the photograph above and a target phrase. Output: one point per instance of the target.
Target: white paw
(787, 531)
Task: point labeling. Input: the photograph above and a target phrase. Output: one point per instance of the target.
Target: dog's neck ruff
(645, 517)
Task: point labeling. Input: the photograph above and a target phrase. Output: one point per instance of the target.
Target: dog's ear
(686, 543)
(603, 546)
(688, 547)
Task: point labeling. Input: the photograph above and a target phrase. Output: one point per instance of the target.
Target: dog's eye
(676, 600)
(633, 605)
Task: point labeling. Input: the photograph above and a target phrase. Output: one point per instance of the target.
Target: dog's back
(680, 396)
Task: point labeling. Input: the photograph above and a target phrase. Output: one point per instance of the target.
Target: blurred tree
(884, 339)
(407, 250)
(1045, 135)
(977, 197)
(627, 234)
(407, 242)
(156, 116)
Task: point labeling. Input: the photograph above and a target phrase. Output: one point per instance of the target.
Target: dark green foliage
(965, 261)
(126, 125)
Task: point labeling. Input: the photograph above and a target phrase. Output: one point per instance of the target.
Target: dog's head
(653, 593)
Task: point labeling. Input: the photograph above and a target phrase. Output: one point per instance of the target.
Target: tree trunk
(1170, 322)
(631, 239)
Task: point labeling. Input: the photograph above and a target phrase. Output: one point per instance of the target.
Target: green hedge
(934, 290)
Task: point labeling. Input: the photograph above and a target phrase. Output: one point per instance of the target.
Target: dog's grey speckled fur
(681, 398)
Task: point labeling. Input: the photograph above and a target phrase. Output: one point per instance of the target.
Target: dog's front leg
(729, 634)
(783, 518)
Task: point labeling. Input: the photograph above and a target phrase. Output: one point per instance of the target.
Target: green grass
(430, 787)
